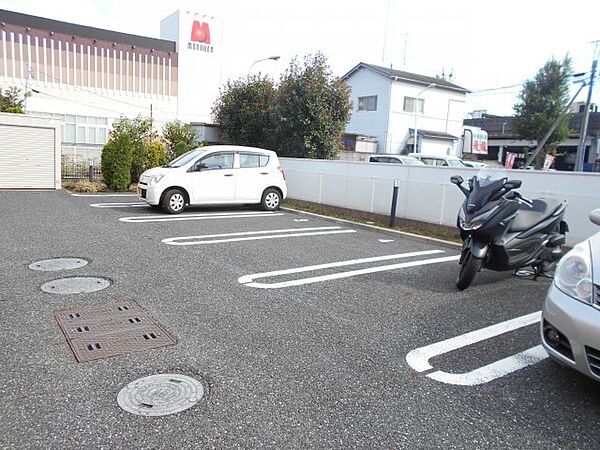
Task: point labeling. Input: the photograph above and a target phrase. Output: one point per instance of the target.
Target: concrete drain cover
(160, 395)
(53, 265)
(75, 285)
(101, 331)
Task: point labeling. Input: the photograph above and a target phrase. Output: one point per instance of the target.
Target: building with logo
(87, 77)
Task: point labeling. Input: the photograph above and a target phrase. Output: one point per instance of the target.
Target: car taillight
(281, 170)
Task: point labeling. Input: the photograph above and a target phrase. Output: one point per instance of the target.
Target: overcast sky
(485, 44)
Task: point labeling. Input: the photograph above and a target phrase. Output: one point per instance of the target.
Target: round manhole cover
(52, 265)
(160, 395)
(75, 285)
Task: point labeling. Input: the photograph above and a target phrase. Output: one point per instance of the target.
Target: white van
(436, 160)
(215, 175)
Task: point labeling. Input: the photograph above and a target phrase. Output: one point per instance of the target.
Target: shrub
(155, 154)
(174, 133)
(180, 149)
(116, 160)
(85, 186)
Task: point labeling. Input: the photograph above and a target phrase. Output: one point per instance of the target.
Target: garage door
(27, 157)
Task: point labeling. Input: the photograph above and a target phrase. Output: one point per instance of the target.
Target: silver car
(570, 325)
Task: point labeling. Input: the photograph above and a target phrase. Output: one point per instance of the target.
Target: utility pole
(586, 114)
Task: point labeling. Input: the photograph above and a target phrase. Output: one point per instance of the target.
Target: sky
(485, 45)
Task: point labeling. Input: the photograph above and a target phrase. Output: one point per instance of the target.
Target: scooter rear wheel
(470, 266)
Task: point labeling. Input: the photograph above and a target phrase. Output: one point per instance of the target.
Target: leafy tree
(155, 152)
(244, 111)
(541, 102)
(116, 159)
(140, 133)
(177, 132)
(12, 100)
(312, 110)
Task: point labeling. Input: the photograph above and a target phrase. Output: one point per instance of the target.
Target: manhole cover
(160, 395)
(75, 285)
(52, 265)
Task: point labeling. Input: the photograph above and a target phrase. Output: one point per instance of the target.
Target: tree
(244, 112)
(12, 100)
(179, 138)
(140, 133)
(116, 159)
(155, 152)
(541, 102)
(312, 110)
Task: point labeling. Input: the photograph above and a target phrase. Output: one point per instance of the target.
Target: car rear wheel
(174, 201)
(271, 199)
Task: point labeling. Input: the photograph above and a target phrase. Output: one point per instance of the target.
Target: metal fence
(81, 162)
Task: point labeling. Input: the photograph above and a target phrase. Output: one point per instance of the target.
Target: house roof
(400, 75)
(434, 134)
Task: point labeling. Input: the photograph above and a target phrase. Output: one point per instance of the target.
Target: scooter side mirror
(512, 184)
(595, 216)
(456, 179)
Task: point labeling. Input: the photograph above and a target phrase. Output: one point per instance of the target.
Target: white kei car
(216, 175)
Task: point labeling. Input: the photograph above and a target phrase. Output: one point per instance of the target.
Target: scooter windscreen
(483, 186)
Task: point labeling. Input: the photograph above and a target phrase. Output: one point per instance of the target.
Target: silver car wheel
(272, 200)
(176, 202)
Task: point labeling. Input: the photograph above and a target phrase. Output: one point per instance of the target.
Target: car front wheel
(174, 201)
(271, 199)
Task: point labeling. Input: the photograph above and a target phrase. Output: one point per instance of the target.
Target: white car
(395, 159)
(216, 175)
(436, 160)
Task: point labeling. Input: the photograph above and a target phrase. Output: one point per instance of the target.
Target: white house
(384, 102)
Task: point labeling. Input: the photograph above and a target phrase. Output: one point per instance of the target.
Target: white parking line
(254, 235)
(385, 241)
(104, 195)
(419, 358)
(199, 216)
(249, 280)
(300, 220)
(120, 205)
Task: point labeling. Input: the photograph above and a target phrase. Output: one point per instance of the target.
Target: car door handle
(228, 175)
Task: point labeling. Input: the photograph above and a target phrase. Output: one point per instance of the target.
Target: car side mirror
(595, 216)
(456, 179)
(512, 184)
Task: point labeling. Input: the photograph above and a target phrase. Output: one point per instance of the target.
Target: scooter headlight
(469, 226)
(574, 275)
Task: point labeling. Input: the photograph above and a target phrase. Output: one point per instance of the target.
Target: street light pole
(273, 58)
(416, 131)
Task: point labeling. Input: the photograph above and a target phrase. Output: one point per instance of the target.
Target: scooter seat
(528, 217)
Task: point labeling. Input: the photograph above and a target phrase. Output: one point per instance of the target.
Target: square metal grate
(101, 331)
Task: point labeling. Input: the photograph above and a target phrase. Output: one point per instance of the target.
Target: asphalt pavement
(300, 337)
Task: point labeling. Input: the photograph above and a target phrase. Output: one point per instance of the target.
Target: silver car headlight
(574, 273)
(155, 179)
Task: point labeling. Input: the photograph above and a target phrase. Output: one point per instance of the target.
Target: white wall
(426, 193)
(364, 83)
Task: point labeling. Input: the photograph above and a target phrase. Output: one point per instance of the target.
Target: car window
(216, 161)
(428, 161)
(455, 163)
(253, 160)
(411, 160)
(185, 158)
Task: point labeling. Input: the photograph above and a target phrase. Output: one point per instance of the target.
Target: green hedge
(116, 161)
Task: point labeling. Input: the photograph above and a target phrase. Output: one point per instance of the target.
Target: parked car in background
(473, 164)
(220, 174)
(570, 326)
(395, 159)
(436, 160)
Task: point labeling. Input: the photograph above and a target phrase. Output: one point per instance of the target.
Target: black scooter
(501, 230)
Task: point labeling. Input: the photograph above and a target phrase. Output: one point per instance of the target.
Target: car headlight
(469, 226)
(574, 273)
(155, 179)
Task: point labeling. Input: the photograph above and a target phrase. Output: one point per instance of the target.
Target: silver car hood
(595, 245)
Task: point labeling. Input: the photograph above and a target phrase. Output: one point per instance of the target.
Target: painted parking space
(199, 216)
(103, 195)
(419, 358)
(255, 235)
(120, 205)
(250, 280)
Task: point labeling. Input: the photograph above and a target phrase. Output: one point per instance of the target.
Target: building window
(409, 104)
(367, 103)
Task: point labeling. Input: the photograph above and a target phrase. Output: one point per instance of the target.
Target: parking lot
(304, 332)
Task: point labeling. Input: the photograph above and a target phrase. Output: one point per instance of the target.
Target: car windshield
(185, 158)
(455, 163)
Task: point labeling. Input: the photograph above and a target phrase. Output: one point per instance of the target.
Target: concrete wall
(426, 193)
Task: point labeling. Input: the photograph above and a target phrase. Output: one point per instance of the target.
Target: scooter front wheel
(470, 266)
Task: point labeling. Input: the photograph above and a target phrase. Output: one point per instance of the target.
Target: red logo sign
(200, 32)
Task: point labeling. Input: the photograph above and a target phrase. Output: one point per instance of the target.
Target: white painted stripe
(248, 280)
(494, 370)
(253, 235)
(419, 359)
(104, 195)
(385, 241)
(171, 218)
(120, 205)
(300, 220)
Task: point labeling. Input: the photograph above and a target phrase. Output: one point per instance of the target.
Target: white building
(87, 77)
(384, 102)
